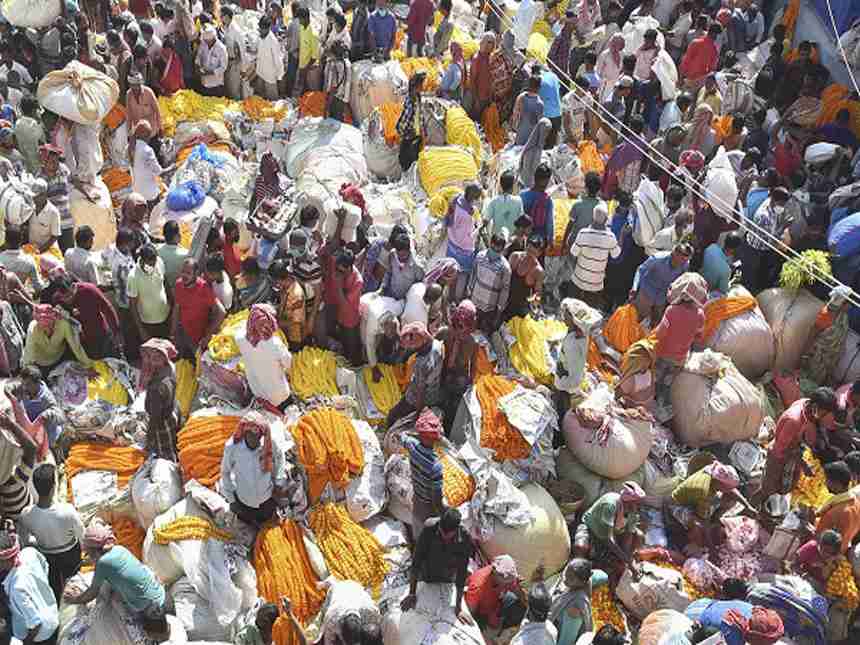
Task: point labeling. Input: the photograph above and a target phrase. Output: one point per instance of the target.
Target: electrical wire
(749, 226)
(841, 48)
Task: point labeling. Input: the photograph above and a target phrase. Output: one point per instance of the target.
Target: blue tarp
(845, 12)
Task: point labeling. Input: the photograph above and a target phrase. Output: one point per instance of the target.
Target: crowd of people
(662, 115)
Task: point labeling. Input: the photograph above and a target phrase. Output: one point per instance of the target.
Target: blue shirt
(619, 219)
(716, 269)
(654, 276)
(133, 581)
(550, 95)
(710, 614)
(426, 470)
(382, 29)
(529, 198)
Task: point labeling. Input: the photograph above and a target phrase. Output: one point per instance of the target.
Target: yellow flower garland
(841, 585)
(314, 372)
(605, 611)
(189, 528)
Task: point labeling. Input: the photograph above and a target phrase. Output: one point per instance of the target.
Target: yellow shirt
(309, 46)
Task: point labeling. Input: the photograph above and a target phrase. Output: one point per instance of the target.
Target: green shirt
(248, 635)
(44, 350)
(695, 492)
(133, 581)
(148, 288)
(502, 212)
(600, 518)
(173, 256)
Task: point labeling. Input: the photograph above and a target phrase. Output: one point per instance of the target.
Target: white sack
(79, 93)
(791, 315)
(98, 216)
(416, 310)
(383, 160)
(747, 339)
(658, 588)
(662, 623)
(312, 133)
(432, 622)
(196, 614)
(634, 33)
(374, 84)
(154, 489)
(34, 14)
(167, 563)
(373, 307)
(721, 186)
(366, 495)
(569, 468)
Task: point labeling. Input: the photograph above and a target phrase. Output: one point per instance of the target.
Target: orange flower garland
(201, 447)
(496, 432)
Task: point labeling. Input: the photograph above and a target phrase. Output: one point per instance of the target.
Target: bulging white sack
(78, 93)
(747, 339)
(154, 489)
(432, 622)
(196, 614)
(568, 468)
(658, 588)
(791, 315)
(165, 562)
(383, 160)
(374, 84)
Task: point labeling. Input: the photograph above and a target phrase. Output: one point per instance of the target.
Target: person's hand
(408, 603)
(464, 617)
(632, 295)
(377, 374)
(340, 213)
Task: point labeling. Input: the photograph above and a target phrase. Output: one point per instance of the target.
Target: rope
(751, 227)
(841, 48)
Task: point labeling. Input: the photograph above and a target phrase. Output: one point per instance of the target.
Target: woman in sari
(826, 341)
(801, 117)
(171, 80)
(609, 66)
(624, 166)
(505, 63)
(701, 135)
(158, 381)
(455, 77)
(268, 182)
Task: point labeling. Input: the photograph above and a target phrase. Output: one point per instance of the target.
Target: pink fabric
(843, 395)
(461, 226)
(680, 327)
(632, 492)
(98, 535)
(724, 474)
(428, 424)
(787, 385)
(700, 60)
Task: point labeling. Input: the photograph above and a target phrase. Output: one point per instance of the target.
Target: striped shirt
(15, 492)
(592, 249)
(58, 194)
(490, 282)
(426, 470)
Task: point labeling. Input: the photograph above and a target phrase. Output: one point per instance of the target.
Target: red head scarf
(262, 323)
(254, 422)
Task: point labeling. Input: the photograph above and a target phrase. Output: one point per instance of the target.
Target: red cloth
(140, 8)
(700, 60)
(232, 261)
(348, 313)
(95, 313)
(194, 303)
(484, 597)
(843, 402)
(172, 80)
(793, 425)
(809, 559)
(481, 78)
(680, 326)
(419, 17)
(786, 159)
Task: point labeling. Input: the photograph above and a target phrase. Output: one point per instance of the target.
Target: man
(57, 529)
(581, 215)
(796, 428)
(21, 264)
(121, 53)
(147, 296)
(197, 314)
(150, 40)
(270, 61)
(701, 58)
(100, 329)
(9, 64)
(442, 556)
(253, 472)
(338, 81)
(759, 262)
(49, 336)
(260, 631)
(717, 262)
(426, 470)
(381, 27)
(28, 595)
(593, 247)
(141, 105)
(503, 210)
(495, 597)
(15, 491)
(172, 255)
(309, 51)
(420, 17)
(38, 403)
(135, 583)
(442, 36)
(645, 56)
(350, 614)
(675, 112)
(409, 123)
(359, 35)
(58, 178)
(266, 358)
(537, 629)
(839, 132)
(550, 94)
(814, 560)
(731, 619)
(489, 283)
(342, 296)
(537, 204)
(842, 511)
(669, 237)
(212, 62)
(425, 386)
(337, 33)
(44, 226)
(403, 271)
(29, 133)
(559, 51)
(653, 278)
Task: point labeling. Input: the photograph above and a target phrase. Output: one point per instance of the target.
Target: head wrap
(580, 314)
(616, 46)
(465, 317)
(723, 473)
(209, 31)
(724, 16)
(701, 126)
(13, 553)
(428, 424)
(692, 159)
(154, 354)
(415, 335)
(505, 566)
(135, 78)
(47, 149)
(7, 135)
(98, 535)
(46, 316)
(600, 213)
(143, 129)
(352, 194)
(839, 296)
(38, 187)
(262, 323)
(688, 286)
(764, 627)
(632, 492)
(440, 270)
(254, 422)
(132, 202)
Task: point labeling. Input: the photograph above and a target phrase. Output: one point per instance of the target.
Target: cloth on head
(688, 286)
(505, 566)
(724, 16)
(692, 159)
(465, 317)
(46, 316)
(428, 424)
(352, 194)
(640, 356)
(616, 46)
(97, 535)
(839, 296)
(143, 129)
(703, 116)
(600, 214)
(13, 553)
(135, 78)
(7, 134)
(580, 314)
(38, 187)
(415, 335)
(763, 627)
(723, 473)
(632, 492)
(440, 270)
(131, 203)
(254, 422)
(262, 323)
(208, 31)
(155, 354)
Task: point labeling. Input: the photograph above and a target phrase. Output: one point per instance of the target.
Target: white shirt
(224, 291)
(574, 352)
(162, 29)
(664, 240)
(153, 47)
(592, 249)
(56, 529)
(212, 61)
(270, 59)
(234, 41)
(31, 601)
(266, 368)
(23, 74)
(242, 476)
(146, 171)
(533, 633)
(82, 264)
(13, 97)
(345, 598)
(670, 116)
(44, 225)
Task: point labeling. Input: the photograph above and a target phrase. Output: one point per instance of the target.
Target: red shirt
(484, 597)
(194, 304)
(701, 59)
(420, 15)
(680, 327)
(353, 285)
(793, 425)
(95, 313)
(232, 262)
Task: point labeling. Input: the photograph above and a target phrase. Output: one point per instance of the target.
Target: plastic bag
(154, 489)
(186, 197)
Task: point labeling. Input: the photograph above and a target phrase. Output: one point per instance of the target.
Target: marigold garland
(351, 551)
(129, 535)
(492, 125)
(201, 447)
(460, 130)
(186, 385)
(497, 433)
(483, 364)
(589, 158)
(841, 585)
(403, 372)
(689, 588)
(187, 105)
(314, 373)
(458, 486)
(189, 527)
(284, 569)
(528, 354)
(328, 448)
(389, 114)
(812, 490)
(312, 104)
(386, 393)
(430, 67)
(623, 328)
(605, 611)
(122, 460)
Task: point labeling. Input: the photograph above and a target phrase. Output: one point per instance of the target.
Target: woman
(826, 341)
(458, 370)
(531, 155)
(701, 135)
(268, 182)
(171, 80)
(455, 77)
(505, 68)
(158, 381)
(526, 278)
(624, 166)
(609, 67)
